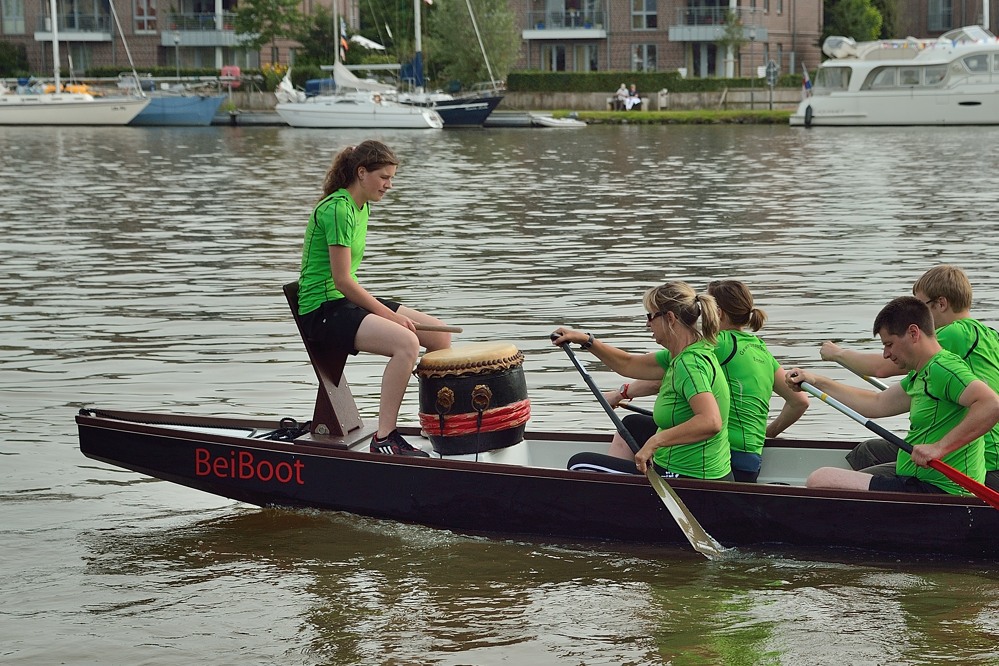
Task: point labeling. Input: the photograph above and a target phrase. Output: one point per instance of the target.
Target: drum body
(473, 397)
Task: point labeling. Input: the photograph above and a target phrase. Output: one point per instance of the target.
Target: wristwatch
(624, 391)
(589, 341)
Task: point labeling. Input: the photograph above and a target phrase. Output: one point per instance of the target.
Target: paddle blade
(698, 537)
(977, 489)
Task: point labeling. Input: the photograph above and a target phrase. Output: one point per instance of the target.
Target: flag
(344, 45)
(806, 83)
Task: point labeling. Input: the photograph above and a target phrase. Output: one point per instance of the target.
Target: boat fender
(808, 116)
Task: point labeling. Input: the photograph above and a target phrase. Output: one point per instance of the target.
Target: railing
(201, 22)
(76, 23)
(568, 19)
(714, 15)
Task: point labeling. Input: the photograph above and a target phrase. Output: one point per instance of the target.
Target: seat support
(335, 421)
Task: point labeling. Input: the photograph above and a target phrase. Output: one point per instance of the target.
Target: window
(832, 78)
(13, 17)
(934, 74)
(553, 58)
(977, 63)
(883, 77)
(643, 58)
(940, 15)
(584, 57)
(908, 76)
(145, 15)
(643, 15)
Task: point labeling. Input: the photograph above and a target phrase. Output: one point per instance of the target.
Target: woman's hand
(562, 335)
(644, 455)
(403, 321)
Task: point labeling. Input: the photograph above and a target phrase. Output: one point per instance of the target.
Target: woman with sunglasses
(753, 375)
(687, 435)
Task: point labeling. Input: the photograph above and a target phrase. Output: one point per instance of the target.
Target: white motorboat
(61, 107)
(543, 120)
(951, 80)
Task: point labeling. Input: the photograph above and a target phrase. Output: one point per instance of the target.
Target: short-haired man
(946, 290)
(950, 410)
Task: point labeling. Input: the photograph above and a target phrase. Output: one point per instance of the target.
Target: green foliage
(259, 22)
(699, 117)
(319, 40)
(734, 34)
(858, 19)
(169, 71)
(889, 18)
(646, 82)
(13, 59)
(451, 47)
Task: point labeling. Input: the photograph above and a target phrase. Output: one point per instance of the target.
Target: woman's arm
(636, 366)
(703, 425)
(355, 293)
(795, 404)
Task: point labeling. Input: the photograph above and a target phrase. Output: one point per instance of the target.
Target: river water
(142, 269)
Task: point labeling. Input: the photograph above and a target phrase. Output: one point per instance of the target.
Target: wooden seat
(335, 421)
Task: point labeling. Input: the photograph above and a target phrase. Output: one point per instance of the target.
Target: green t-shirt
(694, 370)
(934, 410)
(978, 345)
(336, 220)
(749, 369)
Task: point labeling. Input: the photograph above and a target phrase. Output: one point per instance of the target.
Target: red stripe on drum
(506, 417)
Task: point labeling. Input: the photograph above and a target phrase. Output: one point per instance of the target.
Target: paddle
(977, 489)
(635, 408)
(698, 537)
(438, 329)
(873, 381)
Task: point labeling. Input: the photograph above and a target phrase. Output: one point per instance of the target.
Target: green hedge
(646, 82)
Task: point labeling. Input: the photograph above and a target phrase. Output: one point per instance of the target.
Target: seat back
(336, 414)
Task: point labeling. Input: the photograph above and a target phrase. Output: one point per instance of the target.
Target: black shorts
(642, 427)
(335, 323)
(902, 484)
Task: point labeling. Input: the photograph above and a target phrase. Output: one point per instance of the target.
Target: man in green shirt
(950, 410)
(947, 292)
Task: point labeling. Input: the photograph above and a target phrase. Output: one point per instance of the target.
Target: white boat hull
(68, 109)
(939, 107)
(335, 112)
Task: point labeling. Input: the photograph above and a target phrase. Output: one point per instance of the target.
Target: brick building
(560, 35)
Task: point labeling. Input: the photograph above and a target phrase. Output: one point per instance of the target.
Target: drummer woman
(333, 305)
(688, 437)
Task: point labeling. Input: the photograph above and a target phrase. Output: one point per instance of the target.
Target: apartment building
(558, 35)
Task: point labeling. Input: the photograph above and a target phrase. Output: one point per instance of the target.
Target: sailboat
(66, 108)
(355, 103)
(468, 110)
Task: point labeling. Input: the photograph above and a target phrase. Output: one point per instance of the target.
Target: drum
(473, 397)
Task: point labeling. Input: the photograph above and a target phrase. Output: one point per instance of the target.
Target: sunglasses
(649, 316)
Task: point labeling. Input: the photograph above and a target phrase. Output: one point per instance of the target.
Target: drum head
(469, 359)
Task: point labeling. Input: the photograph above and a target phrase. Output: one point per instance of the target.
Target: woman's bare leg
(378, 335)
(431, 340)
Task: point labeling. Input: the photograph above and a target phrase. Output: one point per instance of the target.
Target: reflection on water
(142, 269)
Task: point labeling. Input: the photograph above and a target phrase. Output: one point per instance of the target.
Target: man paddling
(950, 410)
(946, 290)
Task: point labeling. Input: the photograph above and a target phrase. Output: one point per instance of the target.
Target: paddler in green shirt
(946, 290)
(950, 410)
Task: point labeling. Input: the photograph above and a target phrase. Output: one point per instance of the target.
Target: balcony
(707, 24)
(76, 28)
(199, 30)
(562, 25)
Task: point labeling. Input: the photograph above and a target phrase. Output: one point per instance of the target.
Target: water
(142, 270)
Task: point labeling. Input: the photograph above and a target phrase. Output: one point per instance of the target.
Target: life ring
(376, 98)
(808, 116)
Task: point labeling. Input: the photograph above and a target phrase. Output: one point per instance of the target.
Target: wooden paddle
(977, 489)
(698, 537)
(437, 329)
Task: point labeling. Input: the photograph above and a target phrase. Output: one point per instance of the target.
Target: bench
(335, 421)
(643, 107)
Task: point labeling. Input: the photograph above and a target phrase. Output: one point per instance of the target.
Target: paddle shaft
(635, 408)
(977, 489)
(621, 429)
(873, 381)
(438, 329)
(703, 543)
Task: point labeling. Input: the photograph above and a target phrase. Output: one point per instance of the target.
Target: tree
(452, 47)
(889, 18)
(858, 19)
(260, 22)
(13, 59)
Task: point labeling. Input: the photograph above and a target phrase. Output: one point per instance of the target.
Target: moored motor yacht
(951, 80)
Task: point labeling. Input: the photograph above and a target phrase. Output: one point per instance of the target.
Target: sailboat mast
(475, 25)
(55, 44)
(418, 56)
